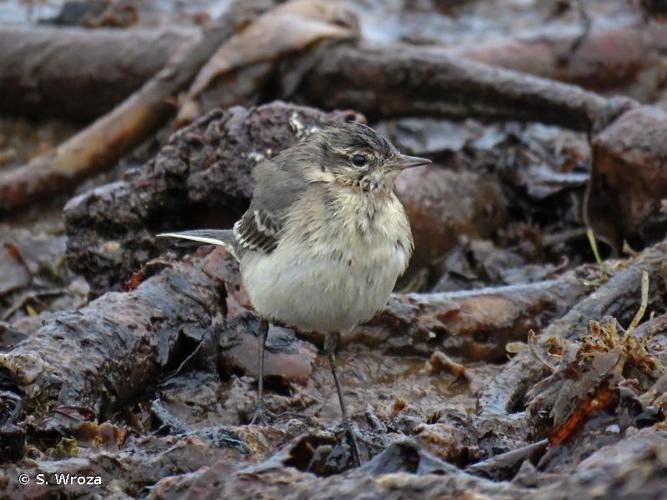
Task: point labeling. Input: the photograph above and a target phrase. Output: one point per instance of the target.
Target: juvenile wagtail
(325, 237)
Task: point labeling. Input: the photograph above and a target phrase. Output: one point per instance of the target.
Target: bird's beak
(405, 161)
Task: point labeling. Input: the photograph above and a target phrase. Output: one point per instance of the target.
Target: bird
(325, 237)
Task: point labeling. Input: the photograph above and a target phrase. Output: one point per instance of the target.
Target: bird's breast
(332, 269)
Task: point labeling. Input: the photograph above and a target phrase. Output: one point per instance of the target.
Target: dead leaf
(286, 29)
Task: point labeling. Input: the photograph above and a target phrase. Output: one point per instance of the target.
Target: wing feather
(258, 231)
(278, 183)
(220, 237)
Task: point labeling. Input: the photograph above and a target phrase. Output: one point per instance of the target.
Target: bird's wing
(278, 184)
(258, 230)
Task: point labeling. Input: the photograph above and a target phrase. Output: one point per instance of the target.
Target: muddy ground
(522, 354)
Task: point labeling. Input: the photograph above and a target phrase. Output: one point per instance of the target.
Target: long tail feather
(220, 237)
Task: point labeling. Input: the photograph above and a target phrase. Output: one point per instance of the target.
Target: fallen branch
(619, 297)
(41, 69)
(386, 81)
(108, 352)
(621, 59)
(403, 80)
(475, 324)
(80, 74)
(113, 135)
(445, 205)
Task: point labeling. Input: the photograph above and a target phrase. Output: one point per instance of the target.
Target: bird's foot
(262, 415)
(350, 430)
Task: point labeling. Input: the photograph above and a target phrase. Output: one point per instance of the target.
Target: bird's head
(355, 155)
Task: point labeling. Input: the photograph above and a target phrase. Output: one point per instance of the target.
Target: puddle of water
(25, 12)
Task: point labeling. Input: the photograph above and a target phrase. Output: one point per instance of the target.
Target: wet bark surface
(96, 147)
(39, 74)
(513, 360)
(626, 193)
(430, 83)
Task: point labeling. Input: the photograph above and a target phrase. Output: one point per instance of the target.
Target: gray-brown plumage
(325, 238)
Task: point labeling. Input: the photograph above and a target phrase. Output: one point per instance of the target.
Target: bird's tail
(220, 237)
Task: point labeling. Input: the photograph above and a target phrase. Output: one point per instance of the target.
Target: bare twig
(24, 299)
(532, 345)
(642, 307)
(596, 253)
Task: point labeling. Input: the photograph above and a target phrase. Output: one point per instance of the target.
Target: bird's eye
(359, 160)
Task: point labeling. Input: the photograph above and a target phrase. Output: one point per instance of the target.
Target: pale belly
(314, 291)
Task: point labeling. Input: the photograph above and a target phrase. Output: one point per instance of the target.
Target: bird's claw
(262, 415)
(350, 433)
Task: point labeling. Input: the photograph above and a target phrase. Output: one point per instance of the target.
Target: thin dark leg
(330, 343)
(263, 334)
(261, 412)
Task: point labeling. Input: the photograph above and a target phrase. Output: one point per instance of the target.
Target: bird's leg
(261, 412)
(330, 344)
